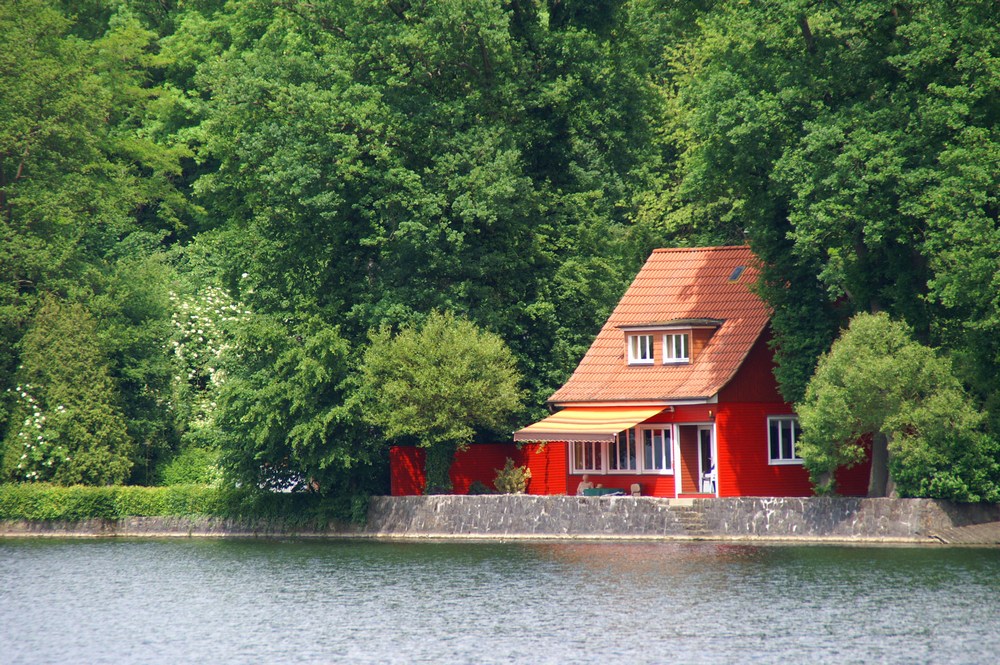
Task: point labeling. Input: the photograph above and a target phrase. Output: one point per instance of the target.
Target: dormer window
(640, 349)
(670, 342)
(675, 348)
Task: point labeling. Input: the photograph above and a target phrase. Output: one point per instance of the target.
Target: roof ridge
(716, 248)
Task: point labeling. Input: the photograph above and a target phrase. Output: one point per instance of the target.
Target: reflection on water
(305, 601)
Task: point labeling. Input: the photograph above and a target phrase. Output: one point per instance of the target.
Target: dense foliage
(878, 385)
(66, 427)
(235, 195)
(438, 385)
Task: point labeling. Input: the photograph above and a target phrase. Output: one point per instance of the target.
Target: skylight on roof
(737, 272)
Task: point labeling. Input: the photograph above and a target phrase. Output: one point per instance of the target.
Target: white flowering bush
(202, 321)
(66, 425)
(36, 442)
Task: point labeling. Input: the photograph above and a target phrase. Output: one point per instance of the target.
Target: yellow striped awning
(586, 424)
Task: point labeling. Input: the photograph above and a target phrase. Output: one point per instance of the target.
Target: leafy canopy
(876, 380)
(282, 411)
(439, 384)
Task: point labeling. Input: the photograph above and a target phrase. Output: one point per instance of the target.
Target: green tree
(133, 311)
(438, 384)
(855, 146)
(877, 384)
(374, 163)
(283, 414)
(68, 428)
(86, 197)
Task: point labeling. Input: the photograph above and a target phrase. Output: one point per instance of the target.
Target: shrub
(479, 487)
(67, 427)
(191, 466)
(45, 501)
(438, 384)
(512, 479)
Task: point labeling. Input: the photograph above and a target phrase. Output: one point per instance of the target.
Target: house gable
(703, 293)
(754, 381)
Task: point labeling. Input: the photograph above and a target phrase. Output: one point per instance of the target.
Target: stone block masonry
(510, 517)
(764, 519)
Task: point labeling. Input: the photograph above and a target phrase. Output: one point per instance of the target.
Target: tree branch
(807, 34)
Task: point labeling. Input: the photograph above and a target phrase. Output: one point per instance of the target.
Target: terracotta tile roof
(675, 284)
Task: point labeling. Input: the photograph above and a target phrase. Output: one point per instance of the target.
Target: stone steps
(691, 521)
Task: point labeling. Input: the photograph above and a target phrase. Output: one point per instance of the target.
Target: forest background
(210, 211)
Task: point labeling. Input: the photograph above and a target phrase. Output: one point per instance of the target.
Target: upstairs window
(640, 349)
(675, 348)
(782, 435)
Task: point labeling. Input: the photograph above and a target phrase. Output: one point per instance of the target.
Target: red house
(676, 395)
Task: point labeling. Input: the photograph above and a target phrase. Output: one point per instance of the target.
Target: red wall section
(479, 462)
(549, 465)
(854, 481)
(743, 467)
(754, 381)
(658, 485)
(406, 471)
(691, 413)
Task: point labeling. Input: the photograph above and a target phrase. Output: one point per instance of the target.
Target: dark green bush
(42, 501)
(191, 466)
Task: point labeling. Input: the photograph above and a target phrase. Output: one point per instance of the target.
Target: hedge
(42, 501)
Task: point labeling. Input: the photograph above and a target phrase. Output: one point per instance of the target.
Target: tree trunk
(879, 481)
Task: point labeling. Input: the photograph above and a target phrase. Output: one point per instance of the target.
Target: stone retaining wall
(570, 517)
(820, 519)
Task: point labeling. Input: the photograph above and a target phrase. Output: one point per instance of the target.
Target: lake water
(295, 601)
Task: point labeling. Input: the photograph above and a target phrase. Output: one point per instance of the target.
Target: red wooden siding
(406, 471)
(694, 413)
(479, 462)
(743, 465)
(549, 465)
(854, 481)
(754, 381)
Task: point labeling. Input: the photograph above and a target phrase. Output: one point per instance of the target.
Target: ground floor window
(588, 456)
(656, 449)
(622, 457)
(638, 450)
(782, 436)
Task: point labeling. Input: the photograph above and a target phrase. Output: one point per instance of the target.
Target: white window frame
(782, 459)
(640, 352)
(594, 462)
(601, 458)
(671, 354)
(666, 450)
(623, 448)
